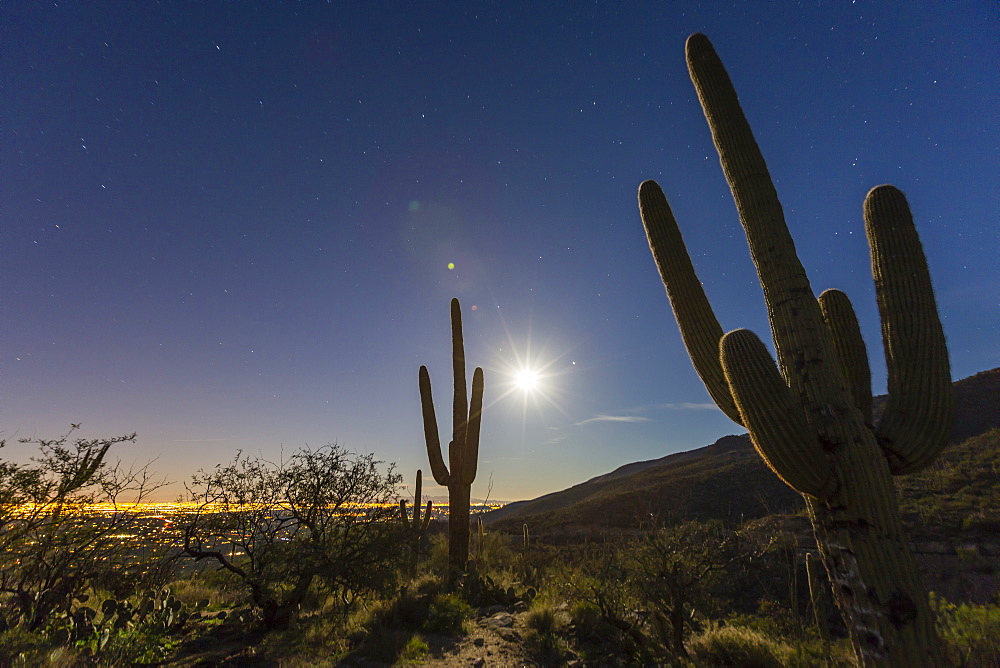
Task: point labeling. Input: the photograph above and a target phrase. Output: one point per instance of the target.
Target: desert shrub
(737, 646)
(218, 588)
(971, 632)
(136, 647)
(543, 638)
(584, 617)
(415, 650)
(447, 615)
(19, 644)
(491, 549)
(322, 520)
(677, 571)
(772, 619)
(53, 547)
(597, 578)
(437, 553)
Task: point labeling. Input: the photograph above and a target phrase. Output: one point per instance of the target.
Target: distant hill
(728, 480)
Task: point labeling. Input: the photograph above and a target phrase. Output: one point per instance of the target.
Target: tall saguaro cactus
(463, 451)
(811, 417)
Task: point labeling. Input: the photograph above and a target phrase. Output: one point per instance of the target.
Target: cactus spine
(417, 526)
(810, 418)
(463, 451)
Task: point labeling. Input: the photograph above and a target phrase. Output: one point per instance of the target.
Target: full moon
(526, 379)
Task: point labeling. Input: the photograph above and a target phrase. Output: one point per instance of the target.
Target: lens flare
(526, 379)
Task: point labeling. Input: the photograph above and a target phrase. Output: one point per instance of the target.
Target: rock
(508, 634)
(500, 619)
(491, 610)
(479, 663)
(479, 642)
(520, 606)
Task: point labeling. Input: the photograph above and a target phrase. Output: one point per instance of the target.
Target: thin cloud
(613, 418)
(690, 406)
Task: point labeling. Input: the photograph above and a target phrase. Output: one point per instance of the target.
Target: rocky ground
(496, 637)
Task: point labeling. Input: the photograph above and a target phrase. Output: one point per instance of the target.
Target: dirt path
(496, 638)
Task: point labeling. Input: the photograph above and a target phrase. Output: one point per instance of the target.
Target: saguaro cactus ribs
(810, 417)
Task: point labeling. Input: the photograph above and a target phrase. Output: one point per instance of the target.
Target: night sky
(238, 225)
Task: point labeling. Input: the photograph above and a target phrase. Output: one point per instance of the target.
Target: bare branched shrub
(322, 519)
(54, 547)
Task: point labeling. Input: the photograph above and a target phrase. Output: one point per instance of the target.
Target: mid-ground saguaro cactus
(416, 527)
(811, 421)
(463, 451)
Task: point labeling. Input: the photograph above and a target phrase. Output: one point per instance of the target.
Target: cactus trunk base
(873, 574)
(459, 506)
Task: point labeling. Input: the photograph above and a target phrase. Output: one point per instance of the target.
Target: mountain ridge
(684, 482)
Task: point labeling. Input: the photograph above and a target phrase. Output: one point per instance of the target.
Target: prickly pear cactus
(809, 417)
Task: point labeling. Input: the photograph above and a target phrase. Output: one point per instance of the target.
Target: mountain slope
(728, 480)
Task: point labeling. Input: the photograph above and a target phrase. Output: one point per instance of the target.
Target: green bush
(585, 617)
(971, 632)
(447, 615)
(19, 643)
(415, 650)
(136, 647)
(541, 619)
(737, 646)
(543, 639)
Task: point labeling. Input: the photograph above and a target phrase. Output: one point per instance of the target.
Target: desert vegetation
(315, 559)
(307, 561)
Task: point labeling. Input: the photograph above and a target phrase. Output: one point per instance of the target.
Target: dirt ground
(496, 638)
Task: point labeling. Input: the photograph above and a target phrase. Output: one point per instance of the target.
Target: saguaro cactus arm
(838, 314)
(471, 462)
(699, 327)
(438, 468)
(460, 400)
(778, 427)
(920, 408)
(800, 339)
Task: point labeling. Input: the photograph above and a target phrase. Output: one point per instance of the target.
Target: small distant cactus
(810, 419)
(480, 537)
(463, 451)
(416, 527)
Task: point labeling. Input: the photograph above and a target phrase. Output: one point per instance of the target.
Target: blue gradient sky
(228, 225)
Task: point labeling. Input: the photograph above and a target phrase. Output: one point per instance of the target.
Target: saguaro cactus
(816, 600)
(463, 451)
(415, 527)
(810, 419)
